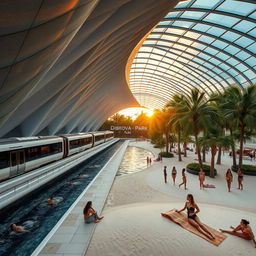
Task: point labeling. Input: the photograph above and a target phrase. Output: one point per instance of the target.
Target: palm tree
(159, 124)
(240, 106)
(193, 111)
(229, 124)
(214, 139)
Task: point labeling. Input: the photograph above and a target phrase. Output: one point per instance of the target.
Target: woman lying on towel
(193, 209)
(243, 230)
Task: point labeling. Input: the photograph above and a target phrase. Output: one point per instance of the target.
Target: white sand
(133, 224)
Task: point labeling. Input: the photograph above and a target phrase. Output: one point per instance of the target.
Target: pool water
(38, 216)
(135, 160)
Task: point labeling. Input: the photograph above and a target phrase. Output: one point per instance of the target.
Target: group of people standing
(201, 177)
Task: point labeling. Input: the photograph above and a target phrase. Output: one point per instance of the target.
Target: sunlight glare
(134, 112)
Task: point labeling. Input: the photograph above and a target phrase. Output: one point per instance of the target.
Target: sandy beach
(133, 224)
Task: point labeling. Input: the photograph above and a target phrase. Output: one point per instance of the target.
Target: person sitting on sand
(201, 177)
(90, 215)
(243, 230)
(16, 228)
(51, 201)
(193, 209)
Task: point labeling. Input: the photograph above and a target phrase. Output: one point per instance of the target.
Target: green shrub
(247, 169)
(194, 168)
(166, 154)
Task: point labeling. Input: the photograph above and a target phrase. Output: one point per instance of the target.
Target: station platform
(71, 236)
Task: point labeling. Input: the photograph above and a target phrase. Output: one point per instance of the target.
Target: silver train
(20, 155)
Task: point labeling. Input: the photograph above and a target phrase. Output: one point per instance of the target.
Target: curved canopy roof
(62, 63)
(205, 44)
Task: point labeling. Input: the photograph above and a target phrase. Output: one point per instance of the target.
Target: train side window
(56, 148)
(74, 144)
(45, 150)
(4, 163)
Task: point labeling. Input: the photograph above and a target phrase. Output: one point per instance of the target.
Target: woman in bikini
(184, 179)
(174, 174)
(90, 215)
(192, 210)
(229, 179)
(243, 230)
(201, 177)
(240, 178)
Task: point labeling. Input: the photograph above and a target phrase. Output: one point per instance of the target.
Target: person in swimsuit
(243, 230)
(201, 177)
(90, 215)
(240, 178)
(229, 179)
(165, 174)
(18, 229)
(184, 179)
(192, 210)
(51, 201)
(174, 174)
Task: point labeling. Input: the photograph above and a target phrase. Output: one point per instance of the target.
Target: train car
(19, 155)
(109, 135)
(77, 142)
(99, 137)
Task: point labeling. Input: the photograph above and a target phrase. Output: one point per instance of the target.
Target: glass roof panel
(205, 4)
(226, 21)
(235, 7)
(193, 48)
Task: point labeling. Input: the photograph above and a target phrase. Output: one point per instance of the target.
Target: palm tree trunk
(213, 152)
(198, 152)
(219, 156)
(179, 152)
(241, 145)
(233, 150)
(185, 149)
(203, 151)
(167, 141)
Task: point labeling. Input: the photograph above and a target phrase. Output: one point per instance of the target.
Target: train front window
(4, 160)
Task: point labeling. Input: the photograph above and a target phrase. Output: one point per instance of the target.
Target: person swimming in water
(193, 219)
(51, 201)
(15, 228)
(243, 230)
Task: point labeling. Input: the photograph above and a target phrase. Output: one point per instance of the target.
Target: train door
(17, 162)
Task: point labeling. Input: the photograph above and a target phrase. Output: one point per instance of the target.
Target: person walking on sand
(184, 179)
(174, 174)
(229, 179)
(240, 179)
(90, 215)
(165, 174)
(243, 230)
(193, 219)
(150, 161)
(147, 161)
(201, 177)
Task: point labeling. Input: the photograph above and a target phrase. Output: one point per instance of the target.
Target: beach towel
(182, 220)
(209, 186)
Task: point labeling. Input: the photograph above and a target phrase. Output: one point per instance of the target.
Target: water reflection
(135, 160)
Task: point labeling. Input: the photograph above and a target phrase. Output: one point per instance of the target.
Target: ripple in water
(135, 160)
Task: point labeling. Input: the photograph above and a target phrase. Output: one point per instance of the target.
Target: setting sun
(134, 112)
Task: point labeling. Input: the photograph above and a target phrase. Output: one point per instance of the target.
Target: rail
(19, 186)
